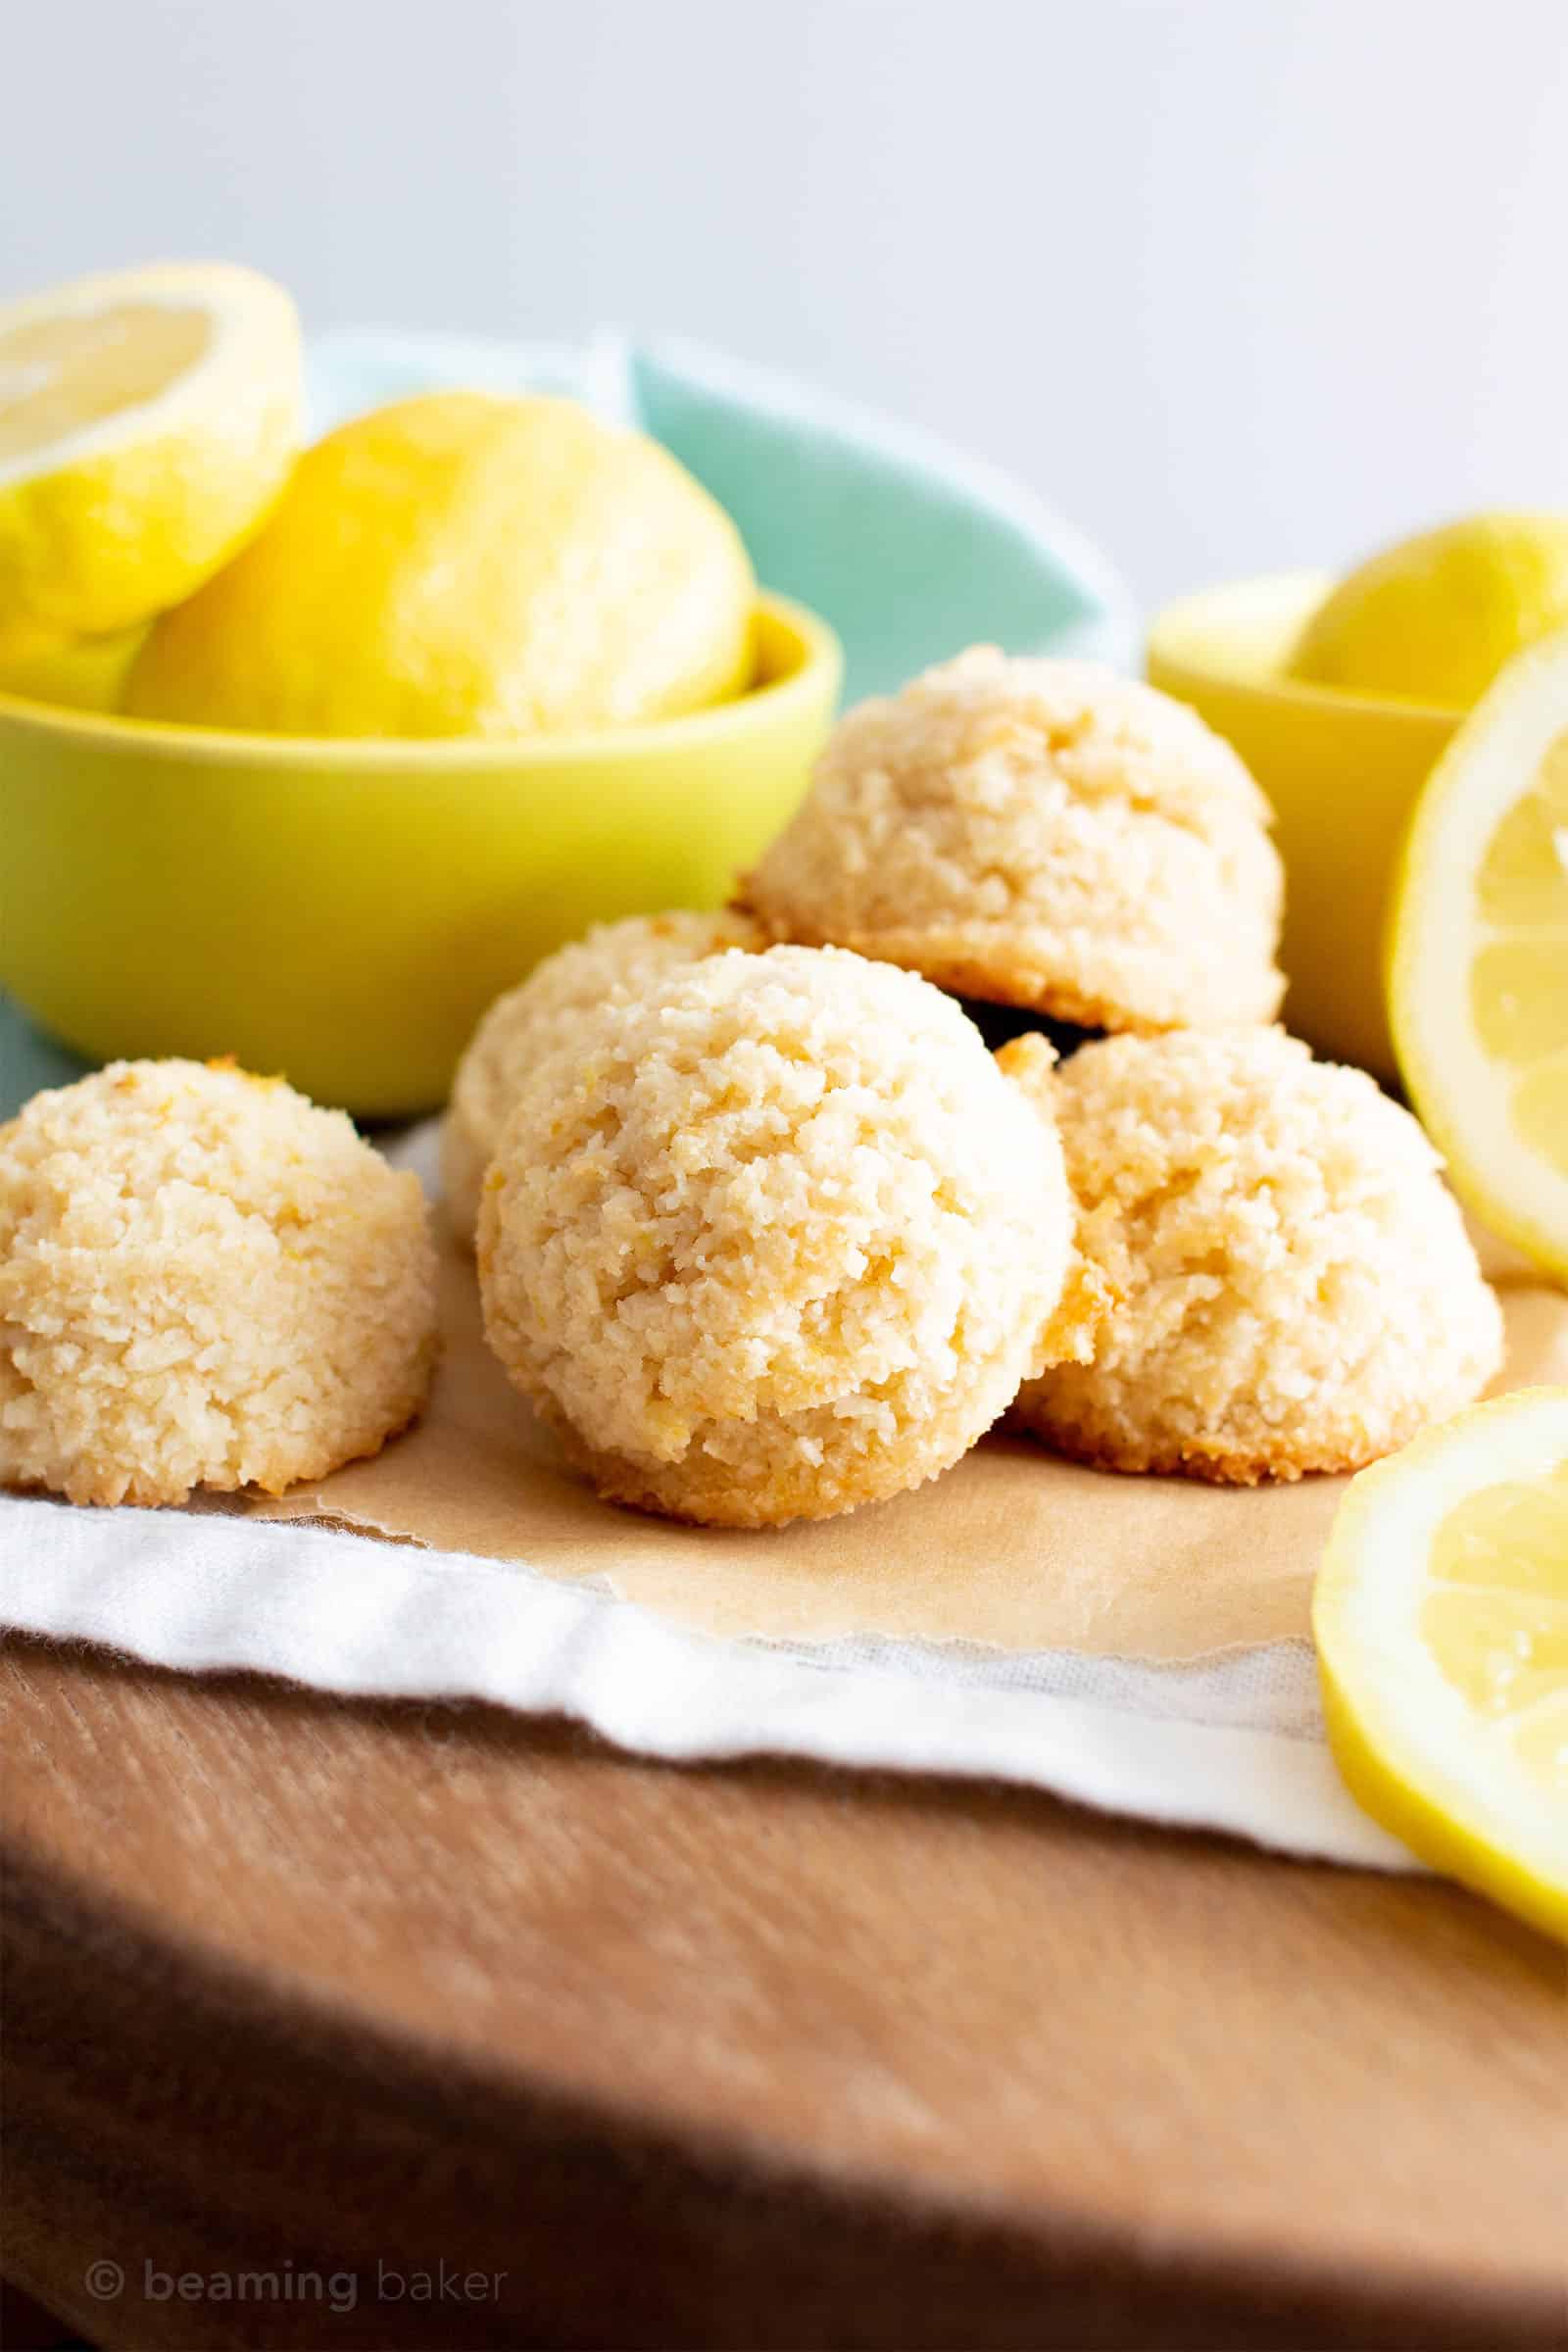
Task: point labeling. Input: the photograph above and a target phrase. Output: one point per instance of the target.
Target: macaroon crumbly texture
(204, 1281)
(612, 960)
(1041, 833)
(1296, 1290)
(773, 1239)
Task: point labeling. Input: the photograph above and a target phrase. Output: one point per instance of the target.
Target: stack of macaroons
(764, 1230)
(762, 1240)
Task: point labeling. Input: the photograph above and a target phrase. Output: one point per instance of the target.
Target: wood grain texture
(754, 2056)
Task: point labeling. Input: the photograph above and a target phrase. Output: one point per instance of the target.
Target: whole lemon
(464, 564)
(1438, 616)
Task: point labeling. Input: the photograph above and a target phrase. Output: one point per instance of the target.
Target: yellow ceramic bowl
(343, 912)
(1343, 771)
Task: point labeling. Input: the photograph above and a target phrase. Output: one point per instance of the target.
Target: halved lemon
(1478, 973)
(147, 418)
(1441, 1616)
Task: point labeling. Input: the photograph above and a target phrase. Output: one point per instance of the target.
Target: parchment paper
(1014, 1548)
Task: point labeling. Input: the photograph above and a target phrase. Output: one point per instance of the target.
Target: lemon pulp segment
(1519, 986)
(59, 376)
(1496, 1619)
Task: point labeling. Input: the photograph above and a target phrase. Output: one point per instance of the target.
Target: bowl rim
(1278, 688)
(818, 654)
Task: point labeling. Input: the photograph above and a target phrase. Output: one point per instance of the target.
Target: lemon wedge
(459, 564)
(1441, 1616)
(1478, 968)
(147, 420)
(1436, 618)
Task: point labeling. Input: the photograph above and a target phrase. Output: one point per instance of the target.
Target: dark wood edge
(227, 2115)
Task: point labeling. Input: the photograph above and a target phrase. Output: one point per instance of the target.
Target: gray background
(1236, 283)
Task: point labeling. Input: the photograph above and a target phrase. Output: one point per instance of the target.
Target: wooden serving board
(758, 2055)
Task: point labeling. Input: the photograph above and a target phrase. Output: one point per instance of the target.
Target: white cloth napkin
(1233, 1743)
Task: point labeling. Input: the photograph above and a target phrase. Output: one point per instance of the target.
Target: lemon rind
(1413, 1750)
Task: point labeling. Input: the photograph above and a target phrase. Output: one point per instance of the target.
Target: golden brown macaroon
(1040, 833)
(1296, 1290)
(774, 1239)
(613, 960)
(204, 1281)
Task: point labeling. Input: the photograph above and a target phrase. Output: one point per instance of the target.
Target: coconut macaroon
(612, 960)
(1296, 1290)
(772, 1239)
(1039, 833)
(204, 1281)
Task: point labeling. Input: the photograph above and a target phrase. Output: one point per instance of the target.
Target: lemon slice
(1441, 1616)
(147, 420)
(1479, 956)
